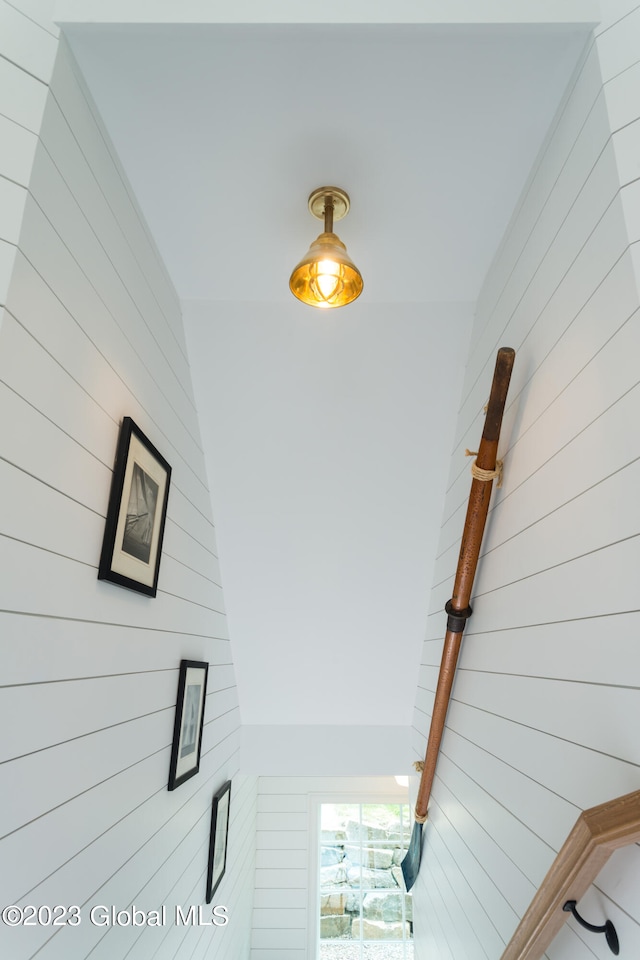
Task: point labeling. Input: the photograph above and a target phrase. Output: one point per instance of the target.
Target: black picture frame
(136, 515)
(218, 839)
(189, 722)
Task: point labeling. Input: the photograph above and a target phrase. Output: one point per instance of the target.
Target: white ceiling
(328, 437)
(225, 129)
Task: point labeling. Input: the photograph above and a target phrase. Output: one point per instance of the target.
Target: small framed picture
(189, 722)
(136, 515)
(218, 839)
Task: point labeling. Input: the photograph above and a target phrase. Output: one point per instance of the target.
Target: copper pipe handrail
(458, 608)
(597, 833)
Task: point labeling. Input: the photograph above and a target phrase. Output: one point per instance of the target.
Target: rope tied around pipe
(418, 766)
(485, 475)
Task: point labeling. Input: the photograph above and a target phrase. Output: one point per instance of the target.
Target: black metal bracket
(607, 928)
(456, 619)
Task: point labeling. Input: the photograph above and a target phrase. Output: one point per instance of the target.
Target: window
(363, 903)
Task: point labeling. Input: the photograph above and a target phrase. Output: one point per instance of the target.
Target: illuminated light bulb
(326, 276)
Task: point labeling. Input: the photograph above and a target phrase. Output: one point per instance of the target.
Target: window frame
(399, 795)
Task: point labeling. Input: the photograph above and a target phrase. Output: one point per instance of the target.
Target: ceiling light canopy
(327, 276)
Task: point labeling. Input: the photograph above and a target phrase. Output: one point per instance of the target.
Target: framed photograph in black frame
(136, 514)
(189, 722)
(218, 839)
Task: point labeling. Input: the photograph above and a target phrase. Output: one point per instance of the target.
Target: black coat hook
(607, 928)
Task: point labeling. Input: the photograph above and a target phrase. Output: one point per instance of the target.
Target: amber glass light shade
(326, 276)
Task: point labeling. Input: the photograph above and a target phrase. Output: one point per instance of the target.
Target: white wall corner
(339, 751)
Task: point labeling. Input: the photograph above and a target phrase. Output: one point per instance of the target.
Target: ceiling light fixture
(327, 276)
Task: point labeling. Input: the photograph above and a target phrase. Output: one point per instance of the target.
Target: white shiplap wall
(546, 705)
(91, 332)
(286, 896)
(28, 44)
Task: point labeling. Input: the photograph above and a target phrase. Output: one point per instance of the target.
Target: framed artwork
(189, 722)
(134, 529)
(218, 839)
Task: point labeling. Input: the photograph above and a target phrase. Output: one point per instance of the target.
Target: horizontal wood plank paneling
(276, 919)
(292, 879)
(89, 353)
(617, 46)
(621, 94)
(109, 221)
(93, 253)
(111, 646)
(533, 549)
(515, 838)
(284, 911)
(626, 144)
(80, 819)
(7, 260)
(287, 939)
(70, 590)
(564, 770)
(19, 147)
(486, 889)
(557, 405)
(22, 97)
(105, 287)
(282, 821)
(86, 762)
(124, 349)
(620, 878)
(603, 727)
(76, 709)
(278, 953)
(537, 651)
(79, 110)
(547, 696)
(462, 896)
(508, 877)
(13, 197)
(555, 154)
(271, 899)
(288, 859)
(613, 12)
(630, 195)
(29, 43)
(282, 840)
(282, 803)
(93, 332)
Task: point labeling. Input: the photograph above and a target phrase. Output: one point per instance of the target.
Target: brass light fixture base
(341, 202)
(327, 276)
